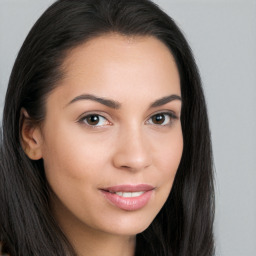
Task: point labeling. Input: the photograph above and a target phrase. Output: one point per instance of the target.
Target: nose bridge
(132, 150)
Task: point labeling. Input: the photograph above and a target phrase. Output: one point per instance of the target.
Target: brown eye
(162, 119)
(94, 120)
(158, 119)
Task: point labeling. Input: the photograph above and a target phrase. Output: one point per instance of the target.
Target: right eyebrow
(165, 100)
(107, 102)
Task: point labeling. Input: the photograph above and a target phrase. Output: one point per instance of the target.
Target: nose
(132, 151)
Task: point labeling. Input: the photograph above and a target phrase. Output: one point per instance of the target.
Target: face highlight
(112, 138)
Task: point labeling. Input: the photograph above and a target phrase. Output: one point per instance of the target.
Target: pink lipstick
(129, 197)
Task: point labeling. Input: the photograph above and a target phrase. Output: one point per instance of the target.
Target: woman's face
(112, 141)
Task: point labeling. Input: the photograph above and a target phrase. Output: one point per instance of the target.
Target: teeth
(130, 194)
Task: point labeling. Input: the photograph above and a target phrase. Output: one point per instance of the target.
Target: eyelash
(84, 120)
(171, 116)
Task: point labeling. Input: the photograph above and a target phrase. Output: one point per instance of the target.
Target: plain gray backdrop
(222, 34)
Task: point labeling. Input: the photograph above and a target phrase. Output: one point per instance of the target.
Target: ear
(31, 137)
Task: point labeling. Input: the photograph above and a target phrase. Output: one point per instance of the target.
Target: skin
(127, 146)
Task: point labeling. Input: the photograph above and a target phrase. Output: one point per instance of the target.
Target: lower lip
(128, 203)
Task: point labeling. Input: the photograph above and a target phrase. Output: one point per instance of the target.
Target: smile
(128, 197)
(129, 194)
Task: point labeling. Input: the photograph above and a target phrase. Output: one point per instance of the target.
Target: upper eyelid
(83, 117)
(89, 113)
(170, 112)
(108, 117)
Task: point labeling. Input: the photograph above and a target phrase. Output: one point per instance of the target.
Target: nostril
(126, 167)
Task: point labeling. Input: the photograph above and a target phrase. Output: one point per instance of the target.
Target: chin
(129, 226)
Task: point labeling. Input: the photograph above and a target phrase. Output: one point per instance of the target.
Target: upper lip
(129, 188)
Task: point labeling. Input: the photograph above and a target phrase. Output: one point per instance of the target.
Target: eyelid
(83, 116)
(93, 112)
(172, 115)
(164, 111)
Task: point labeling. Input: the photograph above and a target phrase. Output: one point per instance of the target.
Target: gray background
(222, 35)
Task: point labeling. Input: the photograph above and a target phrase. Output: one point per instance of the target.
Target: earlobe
(31, 138)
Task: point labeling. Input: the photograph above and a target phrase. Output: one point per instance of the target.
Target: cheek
(72, 169)
(67, 153)
(169, 152)
(74, 164)
(167, 158)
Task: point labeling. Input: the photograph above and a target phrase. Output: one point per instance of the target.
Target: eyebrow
(116, 105)
(107, 102)
(165, 100)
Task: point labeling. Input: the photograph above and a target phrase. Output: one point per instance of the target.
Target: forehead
(114, 63)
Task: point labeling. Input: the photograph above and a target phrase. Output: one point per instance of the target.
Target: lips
(128, 197)
(129, 194)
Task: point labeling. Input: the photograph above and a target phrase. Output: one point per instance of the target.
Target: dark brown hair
(184, 226)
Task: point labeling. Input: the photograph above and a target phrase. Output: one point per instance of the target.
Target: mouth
(128, 194)
(128, 197)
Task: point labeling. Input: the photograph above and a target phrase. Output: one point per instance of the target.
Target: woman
(106, 147)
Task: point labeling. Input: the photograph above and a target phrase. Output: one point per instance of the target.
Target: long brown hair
(184, 226)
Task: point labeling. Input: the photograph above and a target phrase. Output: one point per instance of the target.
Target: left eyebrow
(165, 100)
